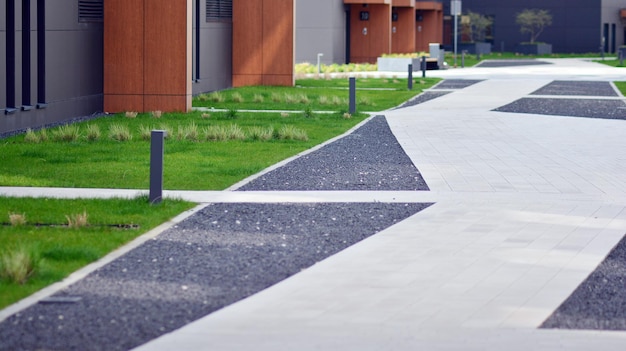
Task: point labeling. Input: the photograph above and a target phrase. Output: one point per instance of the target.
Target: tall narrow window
(41, 54)
(196, 57)
(10, 56)
(26, 67)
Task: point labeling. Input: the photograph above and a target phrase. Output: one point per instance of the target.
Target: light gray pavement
(526, 207)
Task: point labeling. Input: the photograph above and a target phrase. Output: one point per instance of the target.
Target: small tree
(476, 26)
(533, 22)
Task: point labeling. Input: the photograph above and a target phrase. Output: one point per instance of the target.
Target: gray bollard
(463, 59)
(423, 66)
(621, 58)
(157, 138)
(410, 83)
(352, 107)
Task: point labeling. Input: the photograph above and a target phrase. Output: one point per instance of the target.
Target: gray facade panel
(74, 67)
(3, 74)
(215, 57)
(320, 28)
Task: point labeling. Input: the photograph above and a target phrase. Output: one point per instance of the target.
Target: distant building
(578, 26)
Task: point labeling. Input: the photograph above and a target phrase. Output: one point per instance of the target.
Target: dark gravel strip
(510, 63)
(580, 88)
(369, 158)
(591, 108)
(423, 97)
(456, 83)
(218, 256)
(599, 303)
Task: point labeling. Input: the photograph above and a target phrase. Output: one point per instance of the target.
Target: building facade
(578, 26)
(64, 59)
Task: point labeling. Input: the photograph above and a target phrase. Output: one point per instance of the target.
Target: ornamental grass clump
(216, 96)
(130, 114)
(145, 132)
(188, 132)
(67, 133)
(261, 133)
(289, 132)
(79, 220)
(156, 114)
(258, 98)
(17, 219)
(216, 133)
(19, 264)
(31, 137)
(93, 132)
(119, 132)
(237, 97)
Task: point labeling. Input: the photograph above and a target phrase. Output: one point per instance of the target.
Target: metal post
(410, 83)
(463, 59)
(319, 63)
(621, 57)
(352, 98)
(157, 138)
(423, 64)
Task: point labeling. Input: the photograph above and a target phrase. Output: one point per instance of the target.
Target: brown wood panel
(359, 43)
(380, 32)
(278, 37)
(367, 1)
(403, 39)
(277, 79)
(247, 37)
(169, 103)
(428, 5)
(404, 3)
(120, 103)
(167, 47)
(123, 49)
(241, 80)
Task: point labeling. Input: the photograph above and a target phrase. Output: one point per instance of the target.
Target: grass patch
(621, 86)
(610, 62)
(45, 251)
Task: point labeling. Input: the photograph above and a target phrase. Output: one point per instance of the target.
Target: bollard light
(157, 141)
(352, 97)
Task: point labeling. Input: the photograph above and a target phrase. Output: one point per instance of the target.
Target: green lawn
(61, 250)
(191, 161)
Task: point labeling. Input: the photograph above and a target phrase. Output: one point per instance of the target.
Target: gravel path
(370, 158)
(218, 256)
(600, 301)
(510, 63)
(572, 107)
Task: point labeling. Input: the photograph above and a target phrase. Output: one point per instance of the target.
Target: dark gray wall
(216, 38)
(320, 28)
(576, 23)
(74, 67)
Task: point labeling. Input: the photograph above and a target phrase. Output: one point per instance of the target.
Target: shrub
(308, 112)
(67, 133)
(18, 265)
(119, 132)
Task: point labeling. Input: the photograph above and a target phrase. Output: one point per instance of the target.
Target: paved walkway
(526, 207)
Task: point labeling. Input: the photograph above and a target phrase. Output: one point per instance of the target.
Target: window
(219, 10)
(90, 11)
